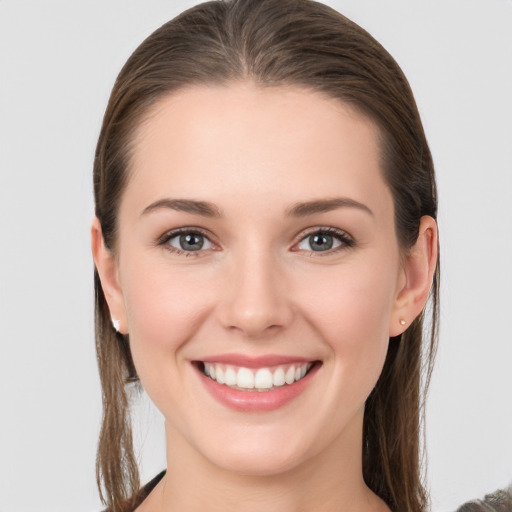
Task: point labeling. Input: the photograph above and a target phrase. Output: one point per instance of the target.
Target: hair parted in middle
(273, 43)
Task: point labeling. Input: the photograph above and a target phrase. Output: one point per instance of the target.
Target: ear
(107, 267)
(416, 279)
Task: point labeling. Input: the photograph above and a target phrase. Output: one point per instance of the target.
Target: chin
(256, 458)
(258, 464)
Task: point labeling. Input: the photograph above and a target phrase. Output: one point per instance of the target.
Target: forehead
(213, 142)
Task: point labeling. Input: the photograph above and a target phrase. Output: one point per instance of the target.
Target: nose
(256, 301)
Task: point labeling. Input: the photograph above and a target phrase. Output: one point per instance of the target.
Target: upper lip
(255, 361)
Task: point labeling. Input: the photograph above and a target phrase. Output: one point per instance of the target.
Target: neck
(329, 481)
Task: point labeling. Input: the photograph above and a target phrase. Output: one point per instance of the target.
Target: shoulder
(141, 503)
(499, 501)
(135, 502)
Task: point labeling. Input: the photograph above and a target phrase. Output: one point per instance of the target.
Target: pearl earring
(116, 324)
(402, 322)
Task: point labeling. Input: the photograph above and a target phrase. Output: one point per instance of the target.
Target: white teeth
(278, 377)
(261, 379)
(230, 377)
(219, 375)
(245, 378)
(210, 370)
(289, 378)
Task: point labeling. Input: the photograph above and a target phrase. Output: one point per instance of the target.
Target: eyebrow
(302, 209)
(325, 205)
(184, 205)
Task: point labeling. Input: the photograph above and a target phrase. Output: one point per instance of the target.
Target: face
(257, 245)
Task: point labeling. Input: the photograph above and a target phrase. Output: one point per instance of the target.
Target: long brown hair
(277, 42)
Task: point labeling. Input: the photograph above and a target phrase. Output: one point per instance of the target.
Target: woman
(265, 244)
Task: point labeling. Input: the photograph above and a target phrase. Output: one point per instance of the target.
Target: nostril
(254, 305)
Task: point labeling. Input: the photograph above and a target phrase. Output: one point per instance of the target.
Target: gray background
(58, 61)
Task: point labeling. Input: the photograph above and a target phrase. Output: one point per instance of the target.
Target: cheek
(165, 307)
(353, 302)
(351, 311)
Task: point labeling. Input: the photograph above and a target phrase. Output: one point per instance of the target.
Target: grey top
(499, 501)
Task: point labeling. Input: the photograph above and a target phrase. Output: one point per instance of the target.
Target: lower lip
(257, 401)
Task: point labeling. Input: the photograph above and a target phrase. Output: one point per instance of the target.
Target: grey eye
(319, 242)
(190, 242)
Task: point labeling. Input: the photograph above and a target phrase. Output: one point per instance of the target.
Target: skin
(258, 288)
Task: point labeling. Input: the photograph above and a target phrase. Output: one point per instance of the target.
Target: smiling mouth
(256, 379)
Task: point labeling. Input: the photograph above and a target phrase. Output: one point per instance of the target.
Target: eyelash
(166, 237)
(346, 241)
